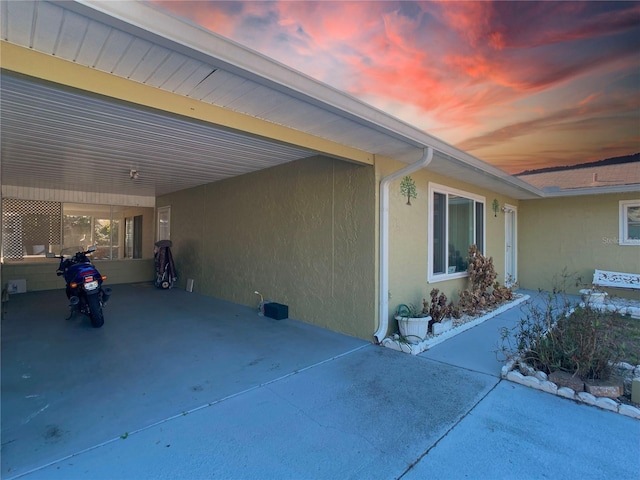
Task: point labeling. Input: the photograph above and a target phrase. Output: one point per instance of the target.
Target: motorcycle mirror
(92, 249)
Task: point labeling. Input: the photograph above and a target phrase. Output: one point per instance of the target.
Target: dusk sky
(520, 85)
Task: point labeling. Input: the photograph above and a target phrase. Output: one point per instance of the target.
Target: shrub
(557, 336)
(484, 291)
(438, 308)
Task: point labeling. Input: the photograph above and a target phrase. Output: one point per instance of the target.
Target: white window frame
(443, 189)
(623, 233)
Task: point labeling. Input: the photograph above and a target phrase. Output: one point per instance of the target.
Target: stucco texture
(408, 238)
(573, 236)
(302, 234)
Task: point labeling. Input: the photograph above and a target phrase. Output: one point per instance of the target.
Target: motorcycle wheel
(95, 311)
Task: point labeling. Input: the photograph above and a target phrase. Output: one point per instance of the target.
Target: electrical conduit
(383, 310)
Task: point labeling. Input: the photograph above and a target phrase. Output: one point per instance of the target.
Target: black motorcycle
(84, 283)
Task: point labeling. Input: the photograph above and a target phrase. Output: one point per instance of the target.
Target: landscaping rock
(565, 379)
(625, 366)
(506, 369)
(530, 381)
(607, 404)
(612, 388)
(629, 411)
(567, 392)
(541, 376)
(526, 369)
(549, 387)
(586, 398)
(516, 377)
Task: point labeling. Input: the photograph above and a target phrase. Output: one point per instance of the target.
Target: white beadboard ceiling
(66, 140)
(55, 137)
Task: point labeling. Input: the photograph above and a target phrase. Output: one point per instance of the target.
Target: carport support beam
(383, 310)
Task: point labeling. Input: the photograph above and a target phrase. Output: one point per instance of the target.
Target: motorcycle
(84, 283)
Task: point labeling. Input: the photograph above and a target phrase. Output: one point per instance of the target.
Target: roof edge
(155, 24)
(551, 192)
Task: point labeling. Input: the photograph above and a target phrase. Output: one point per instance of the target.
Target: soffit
(64, 139)
(114, 137)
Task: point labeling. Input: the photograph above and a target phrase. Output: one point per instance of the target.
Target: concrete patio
(178, 385)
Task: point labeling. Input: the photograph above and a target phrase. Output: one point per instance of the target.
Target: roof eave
(551, 192)
(159, 26)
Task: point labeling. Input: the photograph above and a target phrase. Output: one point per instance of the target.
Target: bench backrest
(603, 278)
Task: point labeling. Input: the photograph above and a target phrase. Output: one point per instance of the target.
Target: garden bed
(623, 331)
(396, 342)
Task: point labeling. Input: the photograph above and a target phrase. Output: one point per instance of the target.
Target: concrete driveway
(178, 385)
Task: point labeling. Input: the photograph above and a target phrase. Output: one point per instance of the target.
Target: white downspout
(383, 310)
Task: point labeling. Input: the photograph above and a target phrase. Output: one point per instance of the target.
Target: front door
(510, 245)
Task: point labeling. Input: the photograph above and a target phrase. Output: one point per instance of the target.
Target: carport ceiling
(57, 137)
(60, 138)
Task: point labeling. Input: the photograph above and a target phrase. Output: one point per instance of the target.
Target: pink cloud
(473, 67)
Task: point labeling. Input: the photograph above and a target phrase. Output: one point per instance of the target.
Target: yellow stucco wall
(408, 237)
(574, 234)
(300, 233)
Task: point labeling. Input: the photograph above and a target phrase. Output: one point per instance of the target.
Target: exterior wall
(41, 275)
(574, 234)
(302, 234)
(408, 238)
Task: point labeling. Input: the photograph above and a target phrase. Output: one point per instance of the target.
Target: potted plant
(412, 322)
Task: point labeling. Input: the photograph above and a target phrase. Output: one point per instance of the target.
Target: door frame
(510, 251)
(163, 214)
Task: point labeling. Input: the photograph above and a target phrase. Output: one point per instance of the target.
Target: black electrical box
(276, 310)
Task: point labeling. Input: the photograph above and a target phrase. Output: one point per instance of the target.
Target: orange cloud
(485, 75)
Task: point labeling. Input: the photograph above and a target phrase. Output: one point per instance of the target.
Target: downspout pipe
(383, 303)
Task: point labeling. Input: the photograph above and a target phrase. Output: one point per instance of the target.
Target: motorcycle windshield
(71, 251)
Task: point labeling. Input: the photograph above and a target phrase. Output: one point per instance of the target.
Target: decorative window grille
(30, 227)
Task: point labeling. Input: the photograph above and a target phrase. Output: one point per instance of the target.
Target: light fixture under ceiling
(134, 175)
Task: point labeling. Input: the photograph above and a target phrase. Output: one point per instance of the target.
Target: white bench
(603, 278)
(598, 299)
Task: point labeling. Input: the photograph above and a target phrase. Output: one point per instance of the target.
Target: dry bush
(438, 308)
(484, 292)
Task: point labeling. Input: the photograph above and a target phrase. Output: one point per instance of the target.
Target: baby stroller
(165, 269)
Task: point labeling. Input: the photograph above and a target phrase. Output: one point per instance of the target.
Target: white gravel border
(539, 381)
(432, 341)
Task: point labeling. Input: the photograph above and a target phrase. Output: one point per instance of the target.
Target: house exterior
(593, 220)
(124, 125)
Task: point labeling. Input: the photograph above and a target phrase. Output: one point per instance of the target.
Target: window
(133, 237)
(456, 221)
(629, 222)
(29, 227)
(32, 228)
(87, 224)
